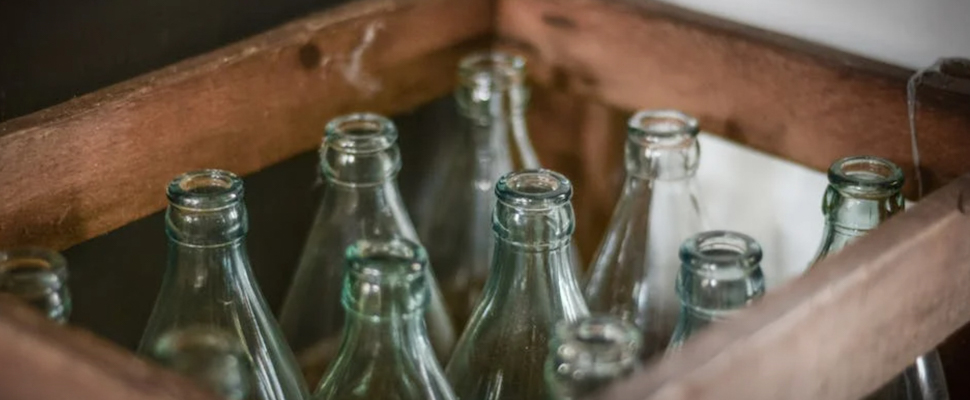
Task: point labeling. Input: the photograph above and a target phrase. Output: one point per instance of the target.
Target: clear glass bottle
(209, 283)
(385, 352)
(360, 160)
(863, 192)
(532, 286)
(720, 273)
(39, 277)
(492, 99)
(589, 354)
(212, 357)
(634, 270)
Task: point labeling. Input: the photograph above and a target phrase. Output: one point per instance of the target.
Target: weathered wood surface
(773, 93)
(88, 166)
(40, 360)
(851, 323)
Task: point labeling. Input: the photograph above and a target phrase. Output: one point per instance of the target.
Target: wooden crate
(96, 163)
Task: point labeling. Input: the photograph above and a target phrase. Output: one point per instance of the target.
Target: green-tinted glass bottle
(587, 355)
(532, 286)
(720, 273)
(385, 352)
(492, 98)
(360, 160)
(209, 282)
(634, 270)
(212, 357)
(863, 192)
(38, 277)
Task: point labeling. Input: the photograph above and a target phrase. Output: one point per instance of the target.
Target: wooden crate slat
(88, 166)
(40, 360)
(848, 325)
(777, 94)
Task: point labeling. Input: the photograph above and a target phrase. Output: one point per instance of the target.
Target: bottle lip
(534, 189)
(662, 127)
(710, 249)
(409, 258)
(207, 189)
(495, 70)
(198, 337)
(359, 133)
(866, 175)
(33, 261)
(598, 338)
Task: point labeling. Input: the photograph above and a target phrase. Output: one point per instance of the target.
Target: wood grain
(773, 93)
(88, 166)
(851, 323)
(40, 360)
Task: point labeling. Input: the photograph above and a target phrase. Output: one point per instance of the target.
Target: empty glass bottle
(720, 273)
(209, 283)
(360, 160)
(634, 270)
(589, 354)
(385, 352)
(863, 192)
(492, 99)
(212, 357)
(532, 286)
(39, 277)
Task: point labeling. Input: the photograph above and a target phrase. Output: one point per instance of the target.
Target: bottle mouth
(207, 189)
(32, 267)
(491, 70)
(195, 339)
(360, 133)
(383, 273)
(601, 340)
(371, 258)
(534, 189)
(662, 128)
(713, 250)
(866, 175)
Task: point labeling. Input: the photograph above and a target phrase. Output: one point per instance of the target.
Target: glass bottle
(360, 160)
(635, 267)
(501, 354)
(589, 354)
(385, 352)
(863, 192)
(209, 283)
(39, 277)
(720, 273)
(492, 99)
(213, 358)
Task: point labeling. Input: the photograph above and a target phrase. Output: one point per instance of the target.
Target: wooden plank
(40, 360)
(851, 323)
(80, 169)
(773, 93)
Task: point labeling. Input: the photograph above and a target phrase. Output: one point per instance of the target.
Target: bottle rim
(172, 343)
(661, 127)
(598, 338)
(207, 189)
(364, 253)
(359, 133)
(492, 69)
(866, 175)
(712, 248)
(534, 189)
(31, 262)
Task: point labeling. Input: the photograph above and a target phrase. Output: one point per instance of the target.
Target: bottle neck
(376, 209)
(496, 118)
(674, 159)
(849, 217)
(39, 278)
